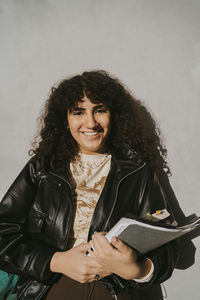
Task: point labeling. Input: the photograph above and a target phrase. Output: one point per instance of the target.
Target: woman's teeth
(91, 133)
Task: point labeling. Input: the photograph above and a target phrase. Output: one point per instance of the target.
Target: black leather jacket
(37, 213)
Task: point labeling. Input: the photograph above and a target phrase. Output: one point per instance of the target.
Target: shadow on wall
(186, 247)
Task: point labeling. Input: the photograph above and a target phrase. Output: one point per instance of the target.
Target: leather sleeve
(19, 253)
(165, 257)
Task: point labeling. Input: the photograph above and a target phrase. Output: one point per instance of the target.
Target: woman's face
(90, 125)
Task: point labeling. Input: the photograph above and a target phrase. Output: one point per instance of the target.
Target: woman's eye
(77, 113)
(101, 111)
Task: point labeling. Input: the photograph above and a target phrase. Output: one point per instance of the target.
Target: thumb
(118, 244)
(84, 247)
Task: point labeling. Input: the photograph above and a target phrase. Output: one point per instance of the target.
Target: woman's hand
(77, 265)
(118, 258)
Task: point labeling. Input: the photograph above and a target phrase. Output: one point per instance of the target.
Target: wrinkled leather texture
(37, 213)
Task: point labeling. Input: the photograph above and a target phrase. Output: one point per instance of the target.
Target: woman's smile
(90, 133)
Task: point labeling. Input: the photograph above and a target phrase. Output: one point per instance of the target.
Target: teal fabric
(7, 283)
(11, 297)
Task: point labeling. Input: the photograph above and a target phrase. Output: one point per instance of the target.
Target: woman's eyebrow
(99, 106)
(77, 108)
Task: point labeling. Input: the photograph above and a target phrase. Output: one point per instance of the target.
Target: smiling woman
(97, 157)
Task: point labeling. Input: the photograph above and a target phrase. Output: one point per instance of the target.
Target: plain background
(153, 46)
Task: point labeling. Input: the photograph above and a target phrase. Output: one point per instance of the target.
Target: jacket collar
(126, 162)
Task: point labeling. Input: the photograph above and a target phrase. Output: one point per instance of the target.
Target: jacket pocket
(36, 221)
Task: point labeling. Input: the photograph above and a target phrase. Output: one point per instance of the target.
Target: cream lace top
(89, 173)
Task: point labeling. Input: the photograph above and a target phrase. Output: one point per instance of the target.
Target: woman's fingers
(100, 243)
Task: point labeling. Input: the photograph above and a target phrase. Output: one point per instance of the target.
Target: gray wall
(152, 45)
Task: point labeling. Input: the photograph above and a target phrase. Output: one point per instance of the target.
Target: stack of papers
(145, 235)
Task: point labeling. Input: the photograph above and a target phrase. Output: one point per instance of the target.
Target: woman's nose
(90, 121)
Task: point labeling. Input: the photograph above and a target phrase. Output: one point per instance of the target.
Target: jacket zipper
(116, 194)
(70, 216)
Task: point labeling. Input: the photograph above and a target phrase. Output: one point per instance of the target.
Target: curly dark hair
(132, 126)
